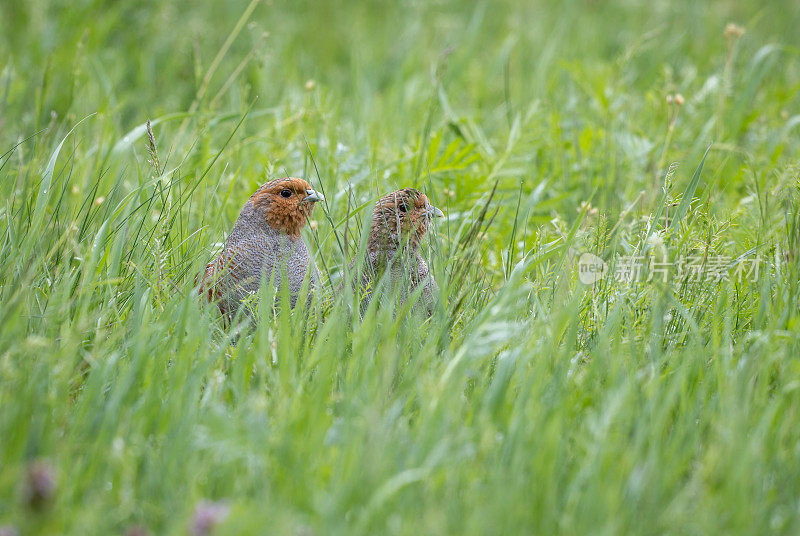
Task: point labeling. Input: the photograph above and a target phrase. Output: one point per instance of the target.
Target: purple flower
(40, 485)
(9, 530)
(208, 515)
(136, 530)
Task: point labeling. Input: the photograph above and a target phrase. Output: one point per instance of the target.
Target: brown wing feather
(210, 279)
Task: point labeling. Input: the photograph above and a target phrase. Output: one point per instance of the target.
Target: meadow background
(528, 403)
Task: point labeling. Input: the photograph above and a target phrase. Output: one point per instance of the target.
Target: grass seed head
(733, 31)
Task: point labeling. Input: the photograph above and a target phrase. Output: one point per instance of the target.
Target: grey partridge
(400, 220)
(265, 243)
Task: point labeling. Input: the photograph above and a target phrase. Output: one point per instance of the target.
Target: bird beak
(434, 212)
(312, 196)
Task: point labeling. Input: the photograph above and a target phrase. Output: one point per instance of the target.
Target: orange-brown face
(287, 203)
(403, 214)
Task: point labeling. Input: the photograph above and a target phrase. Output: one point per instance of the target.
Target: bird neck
(251, 222)
(383, 252)
(389, 246)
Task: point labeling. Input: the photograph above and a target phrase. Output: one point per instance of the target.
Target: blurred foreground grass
(529, 402)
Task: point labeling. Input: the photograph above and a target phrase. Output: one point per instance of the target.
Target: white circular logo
(591, 268)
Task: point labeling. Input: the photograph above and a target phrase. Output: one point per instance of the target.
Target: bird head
(402, 215)
(286, 203)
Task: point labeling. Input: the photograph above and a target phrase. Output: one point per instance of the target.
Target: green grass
(529, 402)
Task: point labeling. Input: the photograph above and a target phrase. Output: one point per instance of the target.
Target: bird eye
(286, 193)
(402, 207)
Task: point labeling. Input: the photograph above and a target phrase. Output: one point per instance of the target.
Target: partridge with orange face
(399, 222)
(265, 243)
